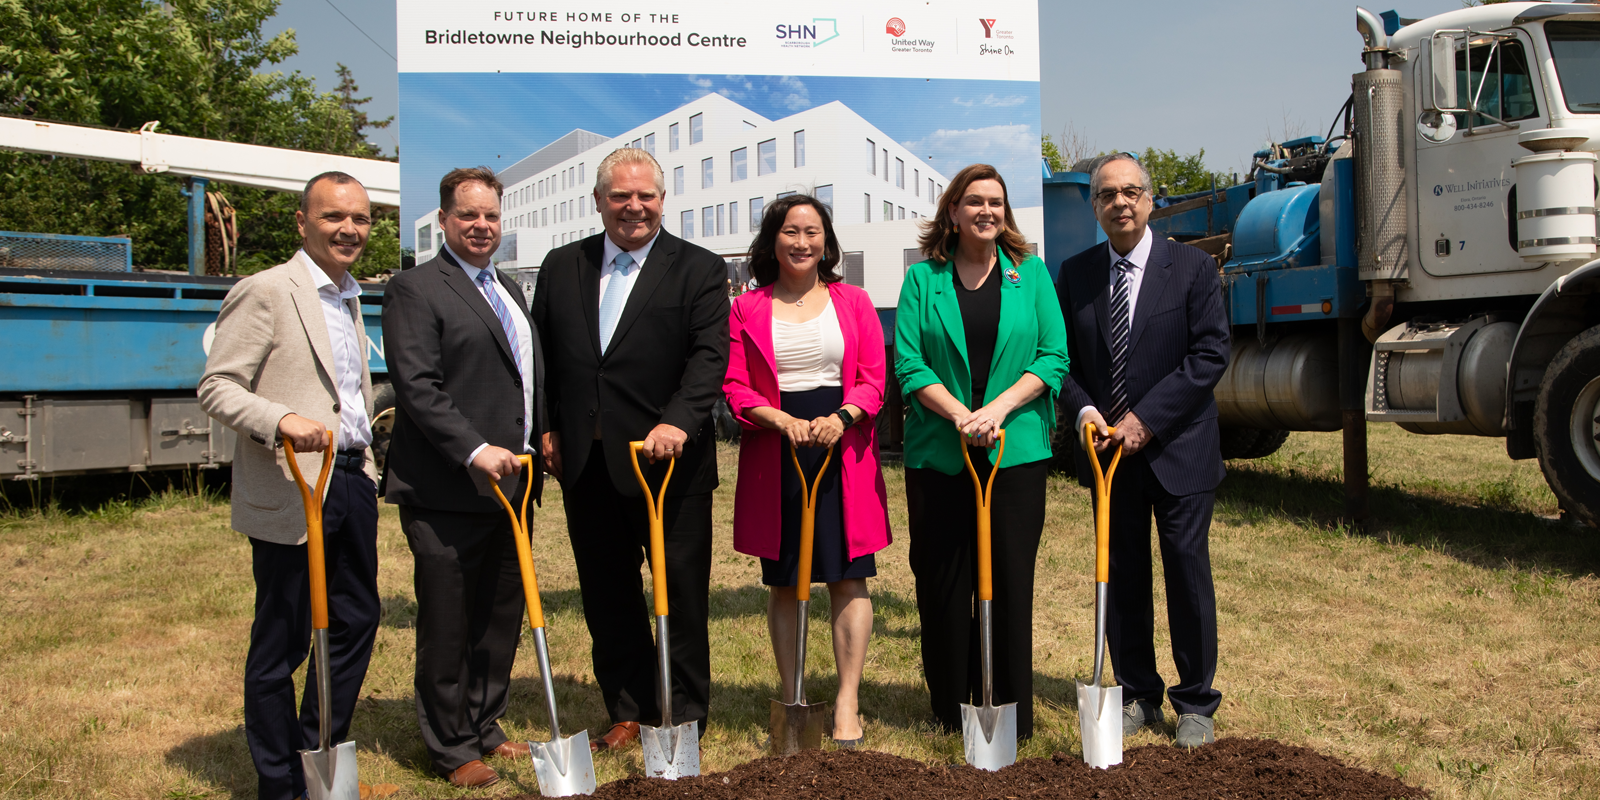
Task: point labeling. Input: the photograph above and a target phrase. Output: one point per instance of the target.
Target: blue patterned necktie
(616, 297)
(1120, 325)
(486, 285)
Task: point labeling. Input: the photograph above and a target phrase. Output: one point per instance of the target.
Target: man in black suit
(468, 374)
(1148, 341)
(636, 324)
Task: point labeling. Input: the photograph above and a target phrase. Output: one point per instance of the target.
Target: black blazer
(456, 386)
(666, 362)
(1178, 349)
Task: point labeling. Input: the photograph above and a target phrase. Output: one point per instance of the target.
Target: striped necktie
(616, 296)
(1120, 326)
(486, 285)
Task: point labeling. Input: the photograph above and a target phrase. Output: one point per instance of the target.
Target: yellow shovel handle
(656, 505)
(314, 552)
(519, 531)
(808, 522)
(985, 495)
(1102, 505)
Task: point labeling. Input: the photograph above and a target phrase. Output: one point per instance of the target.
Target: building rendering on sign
(724, 164)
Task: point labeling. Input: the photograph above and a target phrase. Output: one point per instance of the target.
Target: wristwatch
(845, 417)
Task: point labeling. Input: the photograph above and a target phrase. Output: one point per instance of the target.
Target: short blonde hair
(627, 155)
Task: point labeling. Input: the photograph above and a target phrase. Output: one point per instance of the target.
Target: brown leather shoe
(510, 750)
(618, 738)
(473, 775)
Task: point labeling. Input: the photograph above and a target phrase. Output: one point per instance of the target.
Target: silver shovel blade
(331, 774)
(1100, 724)
(671, 753)
(564, 767)
(797, 726)
(989, 735)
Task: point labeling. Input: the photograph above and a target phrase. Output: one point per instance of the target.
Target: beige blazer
(271, 356)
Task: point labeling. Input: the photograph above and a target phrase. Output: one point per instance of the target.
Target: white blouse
(810, 354)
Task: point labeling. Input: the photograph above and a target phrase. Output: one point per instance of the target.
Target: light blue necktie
(616, 297)
(486, 285)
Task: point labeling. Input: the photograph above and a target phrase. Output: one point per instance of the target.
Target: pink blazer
(752, 382)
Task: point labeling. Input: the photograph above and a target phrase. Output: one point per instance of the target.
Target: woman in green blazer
(981, 345)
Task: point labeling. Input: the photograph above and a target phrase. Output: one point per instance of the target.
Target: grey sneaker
(1138, 715)
(1195, 730)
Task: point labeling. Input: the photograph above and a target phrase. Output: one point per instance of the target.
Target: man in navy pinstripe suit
(1148, 340)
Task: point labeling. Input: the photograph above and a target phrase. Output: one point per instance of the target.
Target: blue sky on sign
(496, 119)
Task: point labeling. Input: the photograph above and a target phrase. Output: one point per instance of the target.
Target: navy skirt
(830, 561)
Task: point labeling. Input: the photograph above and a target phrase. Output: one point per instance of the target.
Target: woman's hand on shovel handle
(1102, 440)
(497, 462)
(307, 435)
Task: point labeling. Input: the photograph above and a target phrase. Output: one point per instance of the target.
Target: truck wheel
(1251, 442)
(1565, 426)
(382, 423)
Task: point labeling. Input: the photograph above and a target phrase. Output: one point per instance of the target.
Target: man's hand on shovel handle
(497, 462)
(664, 442)
(307, 435)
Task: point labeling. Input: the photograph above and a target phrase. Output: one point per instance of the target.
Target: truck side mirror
(1444, 72)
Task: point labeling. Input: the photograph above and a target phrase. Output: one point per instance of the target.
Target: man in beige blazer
(289, 362)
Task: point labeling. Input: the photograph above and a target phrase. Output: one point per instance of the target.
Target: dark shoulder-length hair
(940, 235)
(763, 251)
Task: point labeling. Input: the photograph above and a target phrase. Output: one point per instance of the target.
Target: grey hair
(1101, 162)
(627, 155)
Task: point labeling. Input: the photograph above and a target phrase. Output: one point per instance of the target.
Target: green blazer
(931, 347)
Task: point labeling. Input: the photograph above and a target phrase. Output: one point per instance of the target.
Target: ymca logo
(895, 27)
(988, 28)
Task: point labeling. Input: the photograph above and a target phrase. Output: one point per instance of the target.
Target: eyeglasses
(1129, 193)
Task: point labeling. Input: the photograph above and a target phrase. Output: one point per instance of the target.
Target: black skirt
(830, 561)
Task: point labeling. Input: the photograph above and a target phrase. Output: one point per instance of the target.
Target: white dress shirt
(810, 354)
(339, 314)
(1137, 257)
(608, 266)
(524, 345)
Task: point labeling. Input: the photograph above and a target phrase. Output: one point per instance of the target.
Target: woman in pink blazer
(806, 365)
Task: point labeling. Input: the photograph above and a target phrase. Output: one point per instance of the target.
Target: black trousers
(469, 618)
(1183, 525)
(610, 536)
(944, 529)
(280, 637)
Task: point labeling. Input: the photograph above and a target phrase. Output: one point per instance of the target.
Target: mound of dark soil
(1231, 768)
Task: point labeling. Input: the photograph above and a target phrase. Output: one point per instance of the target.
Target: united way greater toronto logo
(895, 27)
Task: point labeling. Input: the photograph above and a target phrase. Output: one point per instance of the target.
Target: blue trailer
(102, 365)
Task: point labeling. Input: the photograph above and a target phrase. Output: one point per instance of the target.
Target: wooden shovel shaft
(314, 550)
(808, 523)
(657, 507)
(519, 531)
(985, 495)
(1102, 505)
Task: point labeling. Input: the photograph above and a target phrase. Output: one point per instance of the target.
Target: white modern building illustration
(723, 164)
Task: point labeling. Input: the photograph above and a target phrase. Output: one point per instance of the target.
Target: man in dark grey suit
(468, 376)
(1148, 340)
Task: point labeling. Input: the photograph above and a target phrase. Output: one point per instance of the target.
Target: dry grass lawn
(1454, 645)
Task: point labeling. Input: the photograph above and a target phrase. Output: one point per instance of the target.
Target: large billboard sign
(870, 106)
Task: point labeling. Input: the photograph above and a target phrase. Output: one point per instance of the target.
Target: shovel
(330, 773)
(563, 766)
(670, 751)
(797, 726)
(1100, 707)
(988, 732)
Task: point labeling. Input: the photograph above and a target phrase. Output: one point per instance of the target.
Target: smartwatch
(845, 417)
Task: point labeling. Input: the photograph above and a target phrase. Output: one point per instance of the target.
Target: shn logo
(988, 28)
(803, 35)
(895, 27)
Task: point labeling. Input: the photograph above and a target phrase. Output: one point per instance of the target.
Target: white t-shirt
(810, 354)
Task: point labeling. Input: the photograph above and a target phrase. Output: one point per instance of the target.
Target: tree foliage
(200, 67)
(1180, 174)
